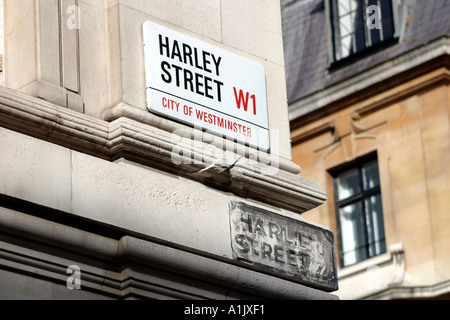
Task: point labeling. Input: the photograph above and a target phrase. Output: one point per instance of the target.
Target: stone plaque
(283, 245)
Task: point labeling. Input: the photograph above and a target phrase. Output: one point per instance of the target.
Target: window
(358, 25)
(359, 213)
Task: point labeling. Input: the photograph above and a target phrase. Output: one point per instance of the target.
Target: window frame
(361, 197)
(333, 24)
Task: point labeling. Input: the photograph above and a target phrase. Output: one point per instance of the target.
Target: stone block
(34, 170)
(151, 203)
(253, 29)
(202, 16)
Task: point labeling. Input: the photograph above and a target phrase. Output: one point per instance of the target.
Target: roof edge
(391, 68)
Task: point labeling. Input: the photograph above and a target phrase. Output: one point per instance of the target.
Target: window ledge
(369, 51)
(363, 266)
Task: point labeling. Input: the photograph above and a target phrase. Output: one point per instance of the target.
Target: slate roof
(305, 42)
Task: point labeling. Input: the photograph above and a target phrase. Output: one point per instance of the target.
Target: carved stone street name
(283, 245)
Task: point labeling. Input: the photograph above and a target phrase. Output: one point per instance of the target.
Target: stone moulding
(412, 64)
(125, 266)
(134, 134)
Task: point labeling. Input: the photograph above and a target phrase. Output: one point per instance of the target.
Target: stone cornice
(365, 107)
(123, 254)
(134, 134)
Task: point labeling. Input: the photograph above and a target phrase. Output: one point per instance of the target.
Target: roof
(306, 43)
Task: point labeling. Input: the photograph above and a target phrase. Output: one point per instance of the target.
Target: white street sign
(194, 82)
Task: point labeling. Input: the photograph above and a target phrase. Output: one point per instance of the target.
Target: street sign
(199, 84)
(283, 245)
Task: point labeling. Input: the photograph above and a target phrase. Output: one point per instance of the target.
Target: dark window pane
(371, 178)
(388, 28)
(353, 241)
(360, 40)
(359, 20)
(375, 225)
(386, 9)
(348, 184)
(375, 36)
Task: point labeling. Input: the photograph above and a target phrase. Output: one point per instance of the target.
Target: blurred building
(368, 91)
(121, 178)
